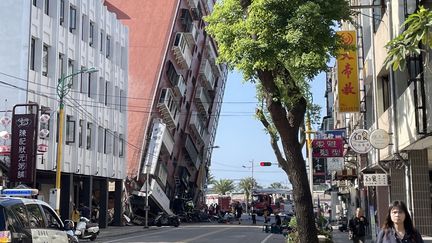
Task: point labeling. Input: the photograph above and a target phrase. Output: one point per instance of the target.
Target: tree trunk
(288, 126)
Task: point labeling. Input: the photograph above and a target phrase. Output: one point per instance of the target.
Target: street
(192, 232)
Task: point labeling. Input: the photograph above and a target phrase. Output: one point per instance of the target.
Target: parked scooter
(86, 229)
(164, 219)
(69, 226)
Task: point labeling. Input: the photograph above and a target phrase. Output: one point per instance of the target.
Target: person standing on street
(357, 227)
(398, 226)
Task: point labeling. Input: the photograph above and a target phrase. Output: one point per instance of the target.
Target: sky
(241, 137)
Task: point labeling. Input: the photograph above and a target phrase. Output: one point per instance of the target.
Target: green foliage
(288, 37)
(297, 35)
(246, 186)
(223, 186)
(415, 39)
(210, 179)
(276, 185)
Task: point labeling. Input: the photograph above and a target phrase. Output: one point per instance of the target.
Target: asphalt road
(196, 233)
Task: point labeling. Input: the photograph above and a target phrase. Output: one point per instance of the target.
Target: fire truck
(277, 199)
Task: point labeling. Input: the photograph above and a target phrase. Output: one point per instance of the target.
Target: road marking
(204, 235)
(131, 237)
(265, 240)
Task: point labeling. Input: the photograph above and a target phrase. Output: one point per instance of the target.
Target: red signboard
(22, 164)
(325, 148)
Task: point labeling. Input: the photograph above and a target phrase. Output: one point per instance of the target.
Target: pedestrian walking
(239, 212)
(398, 226)
(357, 227)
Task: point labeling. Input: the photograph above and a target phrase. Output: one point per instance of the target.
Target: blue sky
(241, 138)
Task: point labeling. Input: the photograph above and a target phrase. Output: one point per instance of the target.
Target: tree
(414, 40)
(247, 184)
(210, 179)
(280, 45)
(223, 186)
(276, 185)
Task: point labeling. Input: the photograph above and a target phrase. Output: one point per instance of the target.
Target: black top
(357, 226)
(390, 236)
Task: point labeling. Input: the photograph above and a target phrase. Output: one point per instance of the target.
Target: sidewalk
(342, 237)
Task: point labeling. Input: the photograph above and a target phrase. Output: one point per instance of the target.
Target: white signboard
(154, 146)
(359, 141)
(160, 197)
(379, 139)
(335, 163)
(375, 180)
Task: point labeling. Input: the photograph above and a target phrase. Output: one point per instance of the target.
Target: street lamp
(253, 181)
(63, 88)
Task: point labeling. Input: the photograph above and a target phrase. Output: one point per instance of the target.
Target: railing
(182, 51)
(168, 108)
(207, 75)
(202, 100)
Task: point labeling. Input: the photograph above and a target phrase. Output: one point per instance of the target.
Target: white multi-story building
(42, 41)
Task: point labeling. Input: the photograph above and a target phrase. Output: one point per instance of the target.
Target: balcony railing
(202, 100)
(191, 33)
(179, 85)
(182, 51)
(168, 108)
(206, 74)
(198, 127)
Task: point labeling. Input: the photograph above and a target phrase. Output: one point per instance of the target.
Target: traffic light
(265, 163)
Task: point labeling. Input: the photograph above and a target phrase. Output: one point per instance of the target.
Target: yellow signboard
(348, 81)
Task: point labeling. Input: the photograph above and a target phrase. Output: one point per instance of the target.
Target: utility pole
(309, 150)
(63, 88)
(146, 206)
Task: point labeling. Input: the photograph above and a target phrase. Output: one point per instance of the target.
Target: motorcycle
(86, 229)
(164, 219)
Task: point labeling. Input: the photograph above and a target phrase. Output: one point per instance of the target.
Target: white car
(24, 220)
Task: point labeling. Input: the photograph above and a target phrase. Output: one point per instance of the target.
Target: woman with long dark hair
(398, 226)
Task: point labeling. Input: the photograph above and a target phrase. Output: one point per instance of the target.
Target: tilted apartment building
(175, 96)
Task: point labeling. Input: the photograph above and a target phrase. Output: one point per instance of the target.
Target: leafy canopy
(295, 35)
(415, 39)
(223, 186)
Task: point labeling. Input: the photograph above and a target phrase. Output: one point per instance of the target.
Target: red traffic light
(265, 163)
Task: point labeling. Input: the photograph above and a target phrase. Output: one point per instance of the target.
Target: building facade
(42, 41)
(396, 102)
(180, 86)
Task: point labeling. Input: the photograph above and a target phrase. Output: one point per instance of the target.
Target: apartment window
(62, 12)
(108, 141)
(32, 54)
(101, 41)
(80, 133)
(107, 93)
(89, 135)
(91, 33)
(101, 139)
(101, 90)
(172, 74)
(108, 46)
(85, 77)
(121, 145)
(70, 130)
(61, 65)
(72, 18)
(122, 101)
(378, 13)
(385, 92)
(46, 7)
(45, 60)
(89, 85)
(35, 3)
(115, 144)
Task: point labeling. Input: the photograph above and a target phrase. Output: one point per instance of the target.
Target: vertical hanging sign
(22, 166)
(347, 66)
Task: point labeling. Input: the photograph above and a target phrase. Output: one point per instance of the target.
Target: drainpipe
(394, 117)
